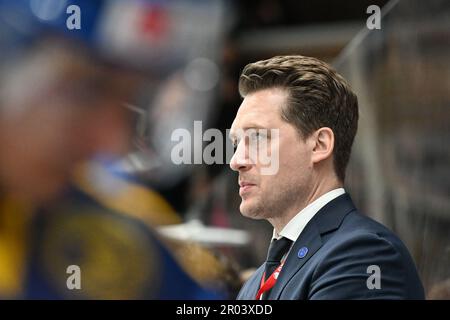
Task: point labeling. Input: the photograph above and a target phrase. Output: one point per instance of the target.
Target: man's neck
(280, 221)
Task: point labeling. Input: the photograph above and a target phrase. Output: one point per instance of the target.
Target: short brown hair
(318, 97)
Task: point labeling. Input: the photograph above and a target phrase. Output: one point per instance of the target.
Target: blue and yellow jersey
(106, 233)
(15, 220)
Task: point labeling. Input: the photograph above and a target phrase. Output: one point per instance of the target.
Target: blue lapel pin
(302, 252)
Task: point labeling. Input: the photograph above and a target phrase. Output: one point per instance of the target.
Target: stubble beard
(269, 206)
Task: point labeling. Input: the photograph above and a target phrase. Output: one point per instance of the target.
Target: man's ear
(323, 144)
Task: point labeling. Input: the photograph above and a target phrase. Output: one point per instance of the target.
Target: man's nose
(241, 160)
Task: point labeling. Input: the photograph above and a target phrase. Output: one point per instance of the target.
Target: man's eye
(257, 136)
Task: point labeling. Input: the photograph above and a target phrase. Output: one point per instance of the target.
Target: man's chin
(250, 209)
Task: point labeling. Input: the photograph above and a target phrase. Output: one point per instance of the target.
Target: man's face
(56, 128)
(269, 195)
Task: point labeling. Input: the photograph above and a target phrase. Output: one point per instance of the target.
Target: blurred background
(193, 53)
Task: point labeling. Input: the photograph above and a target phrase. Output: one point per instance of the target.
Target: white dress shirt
(296, 225)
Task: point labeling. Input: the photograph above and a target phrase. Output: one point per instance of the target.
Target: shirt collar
(296, 225)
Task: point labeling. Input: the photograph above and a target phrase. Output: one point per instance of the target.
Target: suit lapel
(310, 239)
(327, 219)
(251, 287)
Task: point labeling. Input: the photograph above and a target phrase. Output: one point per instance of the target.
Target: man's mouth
(245, 187)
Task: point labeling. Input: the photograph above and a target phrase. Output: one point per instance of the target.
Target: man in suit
(303, 115)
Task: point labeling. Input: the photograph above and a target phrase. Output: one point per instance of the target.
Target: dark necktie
(277, 250)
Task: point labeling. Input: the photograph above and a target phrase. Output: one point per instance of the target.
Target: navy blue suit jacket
(342, 245)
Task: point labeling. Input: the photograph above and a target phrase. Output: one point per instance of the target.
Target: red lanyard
(269, 283)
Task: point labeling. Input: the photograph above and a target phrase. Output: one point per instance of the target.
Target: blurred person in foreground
(322, 247)
(61, 108)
